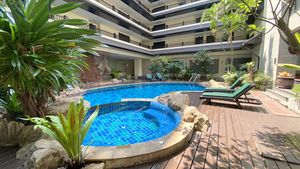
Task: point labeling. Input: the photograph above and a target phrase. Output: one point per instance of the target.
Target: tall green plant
(160, 64)
(234, 15)
(69, 130)
(201, 62)
(39, 57)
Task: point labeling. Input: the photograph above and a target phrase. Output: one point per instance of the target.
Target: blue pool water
(145, 90)
(131, 122)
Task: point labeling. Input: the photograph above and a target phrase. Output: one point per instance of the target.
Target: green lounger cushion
(235, 94)
(226, 89)
(217, 94)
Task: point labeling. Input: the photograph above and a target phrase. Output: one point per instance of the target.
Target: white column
(138, 67)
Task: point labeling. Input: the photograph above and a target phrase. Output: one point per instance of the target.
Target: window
(159, 27)
(212, 68)
(199, 40)
(238, 62)
(210, 39)
(124, 37)
(157, 45)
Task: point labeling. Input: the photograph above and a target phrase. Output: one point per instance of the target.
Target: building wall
(97, 70)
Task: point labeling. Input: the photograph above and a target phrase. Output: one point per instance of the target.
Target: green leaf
(64, 8)
(76, 22)
(297, 36)
(290, 66)
(41, 16)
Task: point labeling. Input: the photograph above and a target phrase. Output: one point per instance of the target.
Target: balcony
(188, 5)
(182, 27)
(112, 7)
(113, 39)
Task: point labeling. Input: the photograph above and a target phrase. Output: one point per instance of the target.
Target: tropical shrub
(69, 130)
(201, 63)
(13, 107)
(296, 90)
(39, 57)
(160, 64)
(261, 80)
(230, 77)
(115, 74)
(186, 73)
(174, 69)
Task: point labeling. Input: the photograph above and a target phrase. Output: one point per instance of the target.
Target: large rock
(176, 101)
(9, 132)
(95, 166)
(201, 122)
(62, 104)
(44, 153)
(30, 134)
(190, 113)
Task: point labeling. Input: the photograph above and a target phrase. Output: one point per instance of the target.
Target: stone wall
(98, 69)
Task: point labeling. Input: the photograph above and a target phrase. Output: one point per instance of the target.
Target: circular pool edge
(143, 152)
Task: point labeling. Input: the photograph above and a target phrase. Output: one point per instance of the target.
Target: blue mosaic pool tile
(150, 90)
(131, 122)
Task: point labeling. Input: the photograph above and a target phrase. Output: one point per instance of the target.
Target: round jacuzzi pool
(131, 122)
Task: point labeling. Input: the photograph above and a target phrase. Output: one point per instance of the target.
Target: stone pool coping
(130, 155)
(133, 154)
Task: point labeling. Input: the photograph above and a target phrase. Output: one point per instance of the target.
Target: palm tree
(40, 57)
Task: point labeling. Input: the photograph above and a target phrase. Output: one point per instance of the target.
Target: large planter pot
(285, 82)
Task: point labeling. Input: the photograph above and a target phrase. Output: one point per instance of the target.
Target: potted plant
(292, 67)
(285, 80)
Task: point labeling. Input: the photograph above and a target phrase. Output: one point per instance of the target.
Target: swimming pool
(131, 122)
(114, 94)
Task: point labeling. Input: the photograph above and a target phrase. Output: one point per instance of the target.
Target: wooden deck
(256, 136)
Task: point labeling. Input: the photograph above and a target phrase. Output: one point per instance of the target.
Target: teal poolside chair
(234, 96)
(150, 77)
(230, 89)
(159, 77)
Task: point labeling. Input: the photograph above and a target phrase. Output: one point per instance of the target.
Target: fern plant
(69, 130)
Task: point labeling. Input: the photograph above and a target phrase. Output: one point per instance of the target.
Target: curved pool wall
(131, 122)
(113, 94)
(156, 148)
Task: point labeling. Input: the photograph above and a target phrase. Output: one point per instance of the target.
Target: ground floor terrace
(261, 135)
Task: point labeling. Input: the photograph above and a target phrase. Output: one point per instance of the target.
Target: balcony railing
(173, 5)
(112, 7)
(178, 24)
(170, 45)
(189, 43)
(116, 36)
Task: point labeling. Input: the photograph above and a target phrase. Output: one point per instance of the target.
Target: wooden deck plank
(245, 156)
(234, 156)
(271, 164)
(282, 165)
(190, 152)
(200, 155)
(248, 125)
(160, 164)
(211, 159)
(223, 161)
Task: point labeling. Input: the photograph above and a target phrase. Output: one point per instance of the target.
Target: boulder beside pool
(190, 114)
